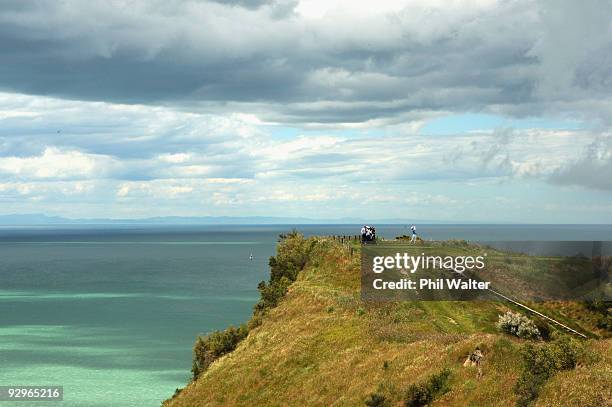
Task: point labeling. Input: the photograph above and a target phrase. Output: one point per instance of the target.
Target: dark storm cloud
(263, 56)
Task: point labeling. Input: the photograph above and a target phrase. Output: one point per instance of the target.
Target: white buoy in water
(251, 256)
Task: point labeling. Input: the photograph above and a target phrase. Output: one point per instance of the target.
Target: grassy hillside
(322, 346)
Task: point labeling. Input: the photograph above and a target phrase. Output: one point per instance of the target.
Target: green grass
(323, 346)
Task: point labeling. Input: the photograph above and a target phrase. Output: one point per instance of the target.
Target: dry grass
(322, 346)
(589, 385)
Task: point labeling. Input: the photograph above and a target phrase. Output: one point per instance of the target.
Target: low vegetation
(540, 363)
(422, 394)
(291, 258)
(516, 324)
(209, 348)
(603, 309)
(313, 341)
(377, 400)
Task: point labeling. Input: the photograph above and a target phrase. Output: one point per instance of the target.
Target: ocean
(111, 312)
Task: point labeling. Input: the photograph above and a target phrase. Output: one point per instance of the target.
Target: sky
(476, 110)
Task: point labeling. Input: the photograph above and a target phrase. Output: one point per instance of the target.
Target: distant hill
(41, 219)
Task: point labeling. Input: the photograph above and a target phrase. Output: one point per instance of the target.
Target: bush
(518, 325)
(419, 395)
(211, 347)
(604, 322)
(254, 322)
(377, 400)
(599, 306)
(540, 362)
(292, 254)
(291, 257)
(602, 309)
(271, 293)
(544, 329)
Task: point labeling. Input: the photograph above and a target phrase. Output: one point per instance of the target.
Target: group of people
(368, 234)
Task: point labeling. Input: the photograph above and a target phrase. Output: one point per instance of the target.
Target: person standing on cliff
(414, 234)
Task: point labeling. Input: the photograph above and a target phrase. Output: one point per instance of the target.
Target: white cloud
(176, 158)
(123, 191)
(56, 164)
(304, 107)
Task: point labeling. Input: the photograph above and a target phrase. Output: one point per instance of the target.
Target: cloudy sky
(453, 110)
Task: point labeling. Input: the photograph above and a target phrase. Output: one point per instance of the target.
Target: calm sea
(111, 313)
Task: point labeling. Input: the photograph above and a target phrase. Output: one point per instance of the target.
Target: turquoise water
(111, 313)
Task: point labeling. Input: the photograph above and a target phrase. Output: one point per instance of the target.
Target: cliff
(320, 345)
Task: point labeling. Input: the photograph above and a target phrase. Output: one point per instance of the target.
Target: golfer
(414, 234)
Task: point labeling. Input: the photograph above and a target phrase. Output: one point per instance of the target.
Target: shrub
(376, 400)
(598, 306)
(438, 382)
(422, 394)
(518, 325)
(271, 293)
(540, 362)
(254, 322)
(293, 252)
(211, 347)
(604, 322)
(417, 396)
(291, 256)
(544, 329)
(602, 309)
